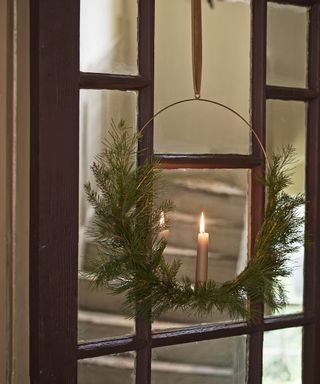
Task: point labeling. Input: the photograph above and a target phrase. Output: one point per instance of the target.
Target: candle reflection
(164, 233)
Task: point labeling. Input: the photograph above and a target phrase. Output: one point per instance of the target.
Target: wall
(14, 187)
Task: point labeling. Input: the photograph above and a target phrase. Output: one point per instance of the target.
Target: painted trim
(5, 198)
(14, 190)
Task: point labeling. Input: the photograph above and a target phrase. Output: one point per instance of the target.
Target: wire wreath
(126, 231)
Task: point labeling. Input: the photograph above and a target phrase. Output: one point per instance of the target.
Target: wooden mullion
(144, 354)
(146, 68)
(273, 323)
(146, 18)
(190, 334)
(225, 330)
(110, 347)
(200, 333)
(208, 161)
(293, 94)
(259, 28)
(89, 80)
(54, 190)
(255, 340)
(311, 339)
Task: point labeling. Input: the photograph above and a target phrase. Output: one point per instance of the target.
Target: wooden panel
(54, 191)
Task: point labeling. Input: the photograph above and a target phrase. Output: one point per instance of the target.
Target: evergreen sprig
(126, 231)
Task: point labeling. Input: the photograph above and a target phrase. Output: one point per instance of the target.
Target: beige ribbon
(196, 27)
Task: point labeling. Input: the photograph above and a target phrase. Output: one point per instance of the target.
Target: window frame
(55, 85)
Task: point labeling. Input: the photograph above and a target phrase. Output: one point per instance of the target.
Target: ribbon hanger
(196, 30)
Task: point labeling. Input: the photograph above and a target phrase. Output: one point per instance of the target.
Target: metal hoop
(198, 99)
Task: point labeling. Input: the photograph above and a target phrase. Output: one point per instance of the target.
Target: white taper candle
(202, 253)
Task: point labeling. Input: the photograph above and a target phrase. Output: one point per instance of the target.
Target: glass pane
(222, 195)
(100, 314)
(287, 44)
(108, 36)
(282, 356)
(107, 369)
(220, 361)
(198, 128)
(286, 124)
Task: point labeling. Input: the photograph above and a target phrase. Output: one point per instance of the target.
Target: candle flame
(162, 219)
(202, 223)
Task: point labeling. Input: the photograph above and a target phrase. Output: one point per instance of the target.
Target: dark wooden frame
(55, 84)
(54, 37)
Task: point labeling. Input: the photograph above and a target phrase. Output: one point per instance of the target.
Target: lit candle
(202, 253)
(164, 233)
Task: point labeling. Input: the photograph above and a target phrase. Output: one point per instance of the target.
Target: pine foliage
(126, 231)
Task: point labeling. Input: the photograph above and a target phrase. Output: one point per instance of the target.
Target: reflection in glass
(286, 125)
(113, 369)
(108, 36)
(287, 43)
(100, 315)
(220, 361)
(226, 78)
(282, 356)
(223, 197)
